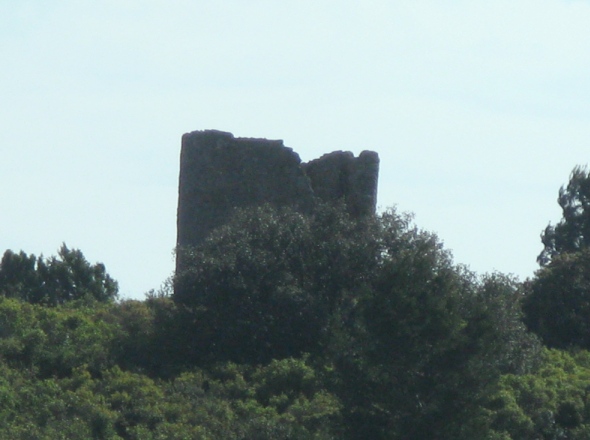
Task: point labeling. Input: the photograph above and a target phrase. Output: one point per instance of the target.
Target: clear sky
(479, 111)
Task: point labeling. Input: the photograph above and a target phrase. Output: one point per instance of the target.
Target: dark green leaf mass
(572, 232)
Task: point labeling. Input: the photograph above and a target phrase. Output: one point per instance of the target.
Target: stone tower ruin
(219, 173)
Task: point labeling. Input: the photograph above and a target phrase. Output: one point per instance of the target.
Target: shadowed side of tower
(219, 173)
(339, 176)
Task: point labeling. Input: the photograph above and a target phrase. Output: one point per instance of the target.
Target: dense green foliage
(411, 340)
(62, 378)
(552, 403)
(572, 233)
(290, 326)
(54, 280)
(557, 306)
(268, 284)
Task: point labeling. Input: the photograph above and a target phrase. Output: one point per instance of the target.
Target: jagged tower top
(219, 173)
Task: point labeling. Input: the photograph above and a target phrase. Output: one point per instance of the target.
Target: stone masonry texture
(219, 173)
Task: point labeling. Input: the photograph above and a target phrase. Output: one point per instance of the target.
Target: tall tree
(429, 342)
(557, 302)
(572, 233)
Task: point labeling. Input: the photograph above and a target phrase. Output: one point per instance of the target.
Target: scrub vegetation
(291, 326)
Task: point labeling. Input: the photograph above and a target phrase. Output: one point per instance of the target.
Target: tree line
(292, 326)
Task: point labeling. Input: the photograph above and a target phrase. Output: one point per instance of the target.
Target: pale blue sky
(479, 111)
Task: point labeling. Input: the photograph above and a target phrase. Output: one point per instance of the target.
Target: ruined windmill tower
(219, 173)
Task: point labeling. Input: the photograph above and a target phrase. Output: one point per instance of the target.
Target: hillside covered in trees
(291, 326)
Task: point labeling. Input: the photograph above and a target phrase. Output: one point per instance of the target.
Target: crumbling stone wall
(219, 173)
(341, 176)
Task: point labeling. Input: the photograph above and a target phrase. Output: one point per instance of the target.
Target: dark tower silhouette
(219, 173)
